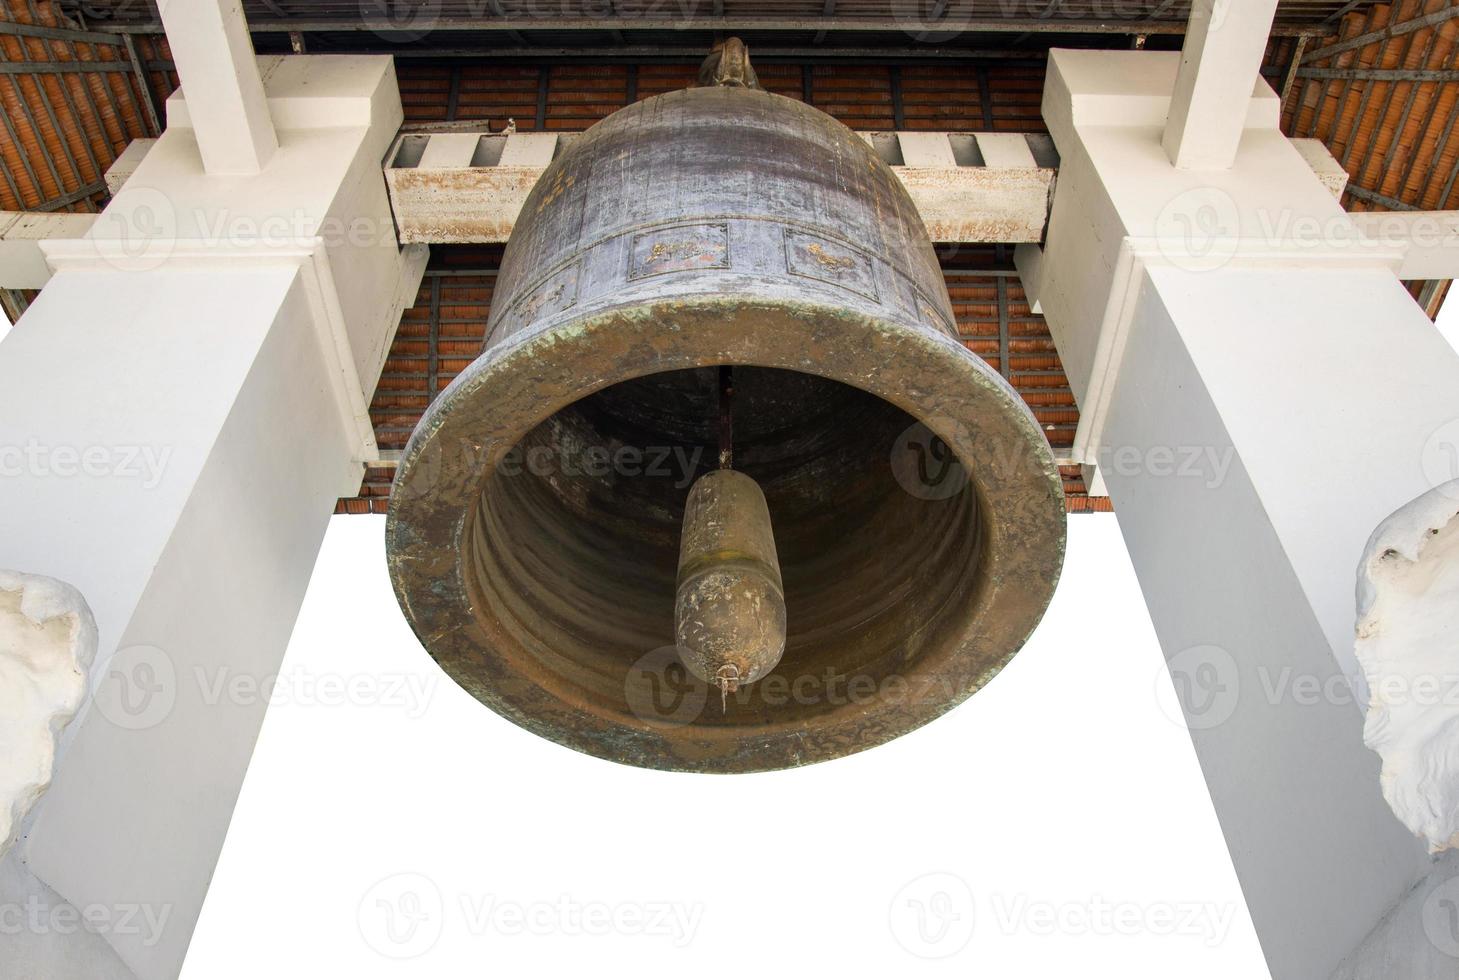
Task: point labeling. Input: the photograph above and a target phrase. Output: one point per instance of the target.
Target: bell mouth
(534, 532)
(575, 539)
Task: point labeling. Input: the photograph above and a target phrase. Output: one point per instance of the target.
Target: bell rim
(420, 527)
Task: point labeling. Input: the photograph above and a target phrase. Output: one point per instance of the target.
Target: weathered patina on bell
(537, 517)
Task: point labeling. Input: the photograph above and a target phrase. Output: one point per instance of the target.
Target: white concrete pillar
(216, 65)
(179, 410)
(1219, 63)
(1258, 391)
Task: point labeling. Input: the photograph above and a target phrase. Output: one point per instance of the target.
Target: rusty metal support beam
(1382, 200)
(1346, 9)
(71, 197)
(1377, 74)
(1431, 296)
(61, 67)
(827, 10)
(58, 33)
(13, 303)
(1292, 69)
(144, 85)
(1382, 34)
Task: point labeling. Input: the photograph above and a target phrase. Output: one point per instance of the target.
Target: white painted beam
(1005, 151)
(1326, 166)
(1219, 64)
(528, 150)
(926, 150)
(449, 151)
(220, 79)
(181, 472)
(1223, 360)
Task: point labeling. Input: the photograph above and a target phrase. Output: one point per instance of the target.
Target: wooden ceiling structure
(1378, 83)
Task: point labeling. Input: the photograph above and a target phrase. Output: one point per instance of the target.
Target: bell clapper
(729, 605)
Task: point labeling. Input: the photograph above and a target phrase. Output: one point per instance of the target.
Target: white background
(406, 830)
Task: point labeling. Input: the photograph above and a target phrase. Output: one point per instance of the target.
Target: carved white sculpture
(47, 643)
(1408, 646)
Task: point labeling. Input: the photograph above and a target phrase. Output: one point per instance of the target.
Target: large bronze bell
(881, 487)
